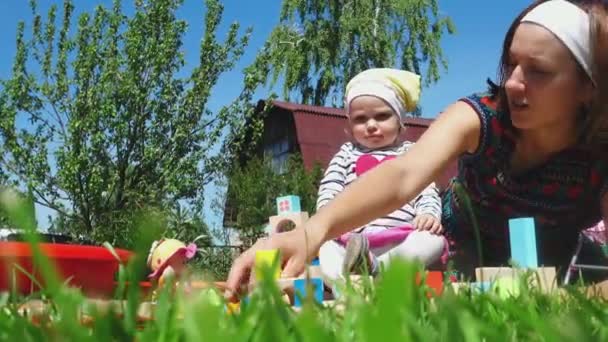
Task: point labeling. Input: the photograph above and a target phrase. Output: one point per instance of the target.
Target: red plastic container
(90, 268)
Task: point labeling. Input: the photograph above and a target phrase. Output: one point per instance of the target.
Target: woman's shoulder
(495, 124)
(483, 102)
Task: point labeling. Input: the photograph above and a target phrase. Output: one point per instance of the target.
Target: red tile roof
(337, 112)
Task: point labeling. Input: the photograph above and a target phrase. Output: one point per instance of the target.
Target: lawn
(393, 307)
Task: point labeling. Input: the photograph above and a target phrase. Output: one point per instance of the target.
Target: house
(316, 133)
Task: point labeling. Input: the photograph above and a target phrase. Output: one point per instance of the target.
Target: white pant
(419, 245)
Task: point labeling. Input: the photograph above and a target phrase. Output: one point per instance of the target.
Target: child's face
(373, 123)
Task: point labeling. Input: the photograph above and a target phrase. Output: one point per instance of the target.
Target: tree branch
(45, 202)
(44, 121)
(58, 118)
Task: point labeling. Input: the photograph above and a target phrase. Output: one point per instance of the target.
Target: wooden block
(545, 275)
(279, 223)
(284, 284)
(599, 290)
(522, 235)
(476, 287)
(337, 306)
(288, 204)
(203, 285)
(358, 281)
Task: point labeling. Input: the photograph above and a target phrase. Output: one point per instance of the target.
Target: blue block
(288, 204)
(481, 286)
(522, 233)
(300, 287)
(315, 262)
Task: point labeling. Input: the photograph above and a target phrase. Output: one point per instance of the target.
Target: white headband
(379, 90)
(400, 89)
(570, 24)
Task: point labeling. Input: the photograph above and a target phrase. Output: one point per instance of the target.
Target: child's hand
(428, 222)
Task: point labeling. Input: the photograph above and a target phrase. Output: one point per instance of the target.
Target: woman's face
(545, 87)
(372, 122)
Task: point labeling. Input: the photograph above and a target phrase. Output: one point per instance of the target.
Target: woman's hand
(296, 247)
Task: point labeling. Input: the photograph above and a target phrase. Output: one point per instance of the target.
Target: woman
(533, 147)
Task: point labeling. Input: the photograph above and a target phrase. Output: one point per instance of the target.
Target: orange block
(434, 280)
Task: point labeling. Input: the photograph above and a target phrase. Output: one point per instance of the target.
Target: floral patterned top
(562, 194)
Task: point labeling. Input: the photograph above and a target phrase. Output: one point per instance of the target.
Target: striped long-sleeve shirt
(341, 172)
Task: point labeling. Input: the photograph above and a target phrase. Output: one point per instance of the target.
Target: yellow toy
(267, 258)
(167, 258)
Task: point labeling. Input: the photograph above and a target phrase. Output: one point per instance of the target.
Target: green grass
(392, 308)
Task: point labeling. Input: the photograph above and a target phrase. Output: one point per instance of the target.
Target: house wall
(279, 137)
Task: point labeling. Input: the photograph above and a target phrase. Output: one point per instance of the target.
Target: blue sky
(472, 53)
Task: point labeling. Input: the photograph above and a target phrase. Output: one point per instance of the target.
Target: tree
(254, 187)
(112, 126)
(186, 225)
(4, 221)
(319, 45)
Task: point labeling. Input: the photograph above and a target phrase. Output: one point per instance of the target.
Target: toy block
(280, 223)
(355, 281)
(358, 282)
(434, 280)
(233, 308)
(288, 204)
(267, 258)
(457, 286)
(474, 287)
(285, 285)
(483, 274)
(483, 286)
(313, 270)
(337, 306)
(544, 277)
(522, 235)
(598, 291)
(302, 290)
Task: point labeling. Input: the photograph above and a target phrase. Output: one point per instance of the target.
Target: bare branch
(41, 199)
